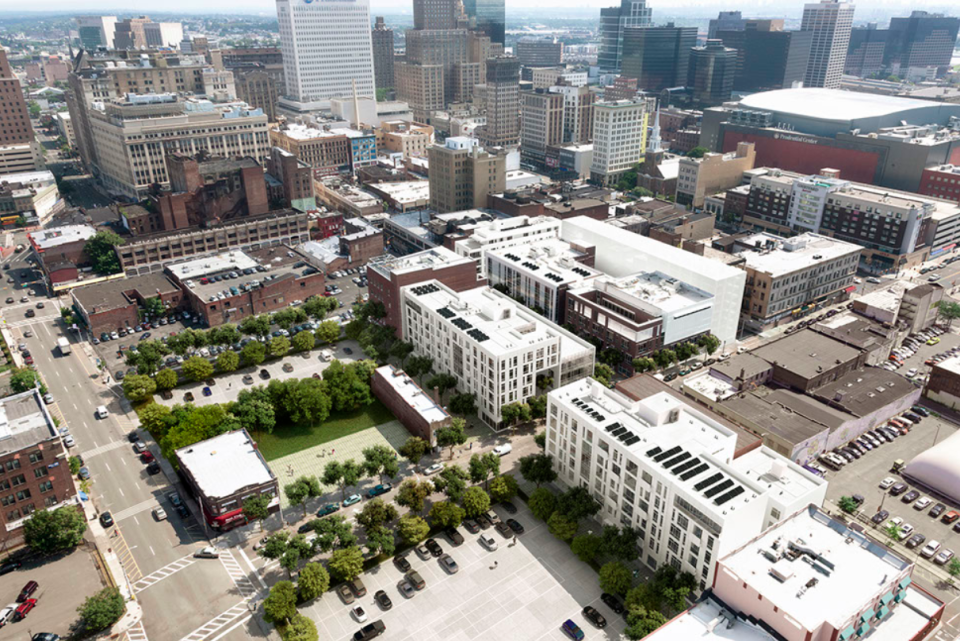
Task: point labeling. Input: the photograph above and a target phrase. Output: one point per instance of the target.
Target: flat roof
(866, 390)
(199, 267)
(779, 257)
(413, 394)
(708, 620)
(56, 236)
(296, 131)
(886, 299)
(28, 177)
(433, 258)
(951, 365)
(859, 569)
(111, 294)
(549, 259)
(831, 104)
(24, 422)
(224, 465)
(806, 351)
(405, 192)
(773, 417)
(738, 366)
(657, 289)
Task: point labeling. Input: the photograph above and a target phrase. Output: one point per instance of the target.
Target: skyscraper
(865, 51)
(768, 59)
(326, 46)
(18, 149)
(435, 14)
(613, 21)
(712, 69)
(619, 138)
(726, 21)
(96, 32)
(920, 41)
(488, 17)
(830, 21)
(502, 102)
(658, 57)
(382, 54)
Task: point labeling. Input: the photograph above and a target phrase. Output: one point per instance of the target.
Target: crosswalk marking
(163, 573)
(142, 506)
(218, 623)
(108, 447)
(125, 556)
(137, 633)
(237, 574)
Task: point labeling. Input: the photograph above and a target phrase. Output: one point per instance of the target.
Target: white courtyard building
(493, 345)
(504, 233)
(667, 468)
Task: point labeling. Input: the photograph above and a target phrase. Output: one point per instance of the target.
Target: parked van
(326, 355)
(102, 412)
(488, 541)
(503, 450)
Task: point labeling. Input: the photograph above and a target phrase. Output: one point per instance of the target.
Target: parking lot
(523, 592)
(64, 583)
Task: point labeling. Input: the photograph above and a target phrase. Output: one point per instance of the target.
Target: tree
(303, 488)
(346, 564)
(954, 568)
(333, 532)
(165, 379)
(300, 628)
(380, 461)
(481, 466)
(697, 152)
(413, 494)
(577, 503)
(101, 610)
(643, 364)
(228, 361)
(279, 346)
(463, 404)
(154, 307)
(290, 561)
(847, 504)
(253, 353)
(75, 465)
(893, 531)
(642, 623)
(376, 513)
(346, 385)
(620, 543)
(709, 342)
(274, 545)
(414, 449)
(154, 418)
(328, 332)
(676, 598)
(320, 306)
(380, 540)
(537, 469)
(343, 474)
(226, 334)
(452, 481)
(137, 387)
(101, 251)
(419, 366)
(949, 310)
(542, 503)
(503, 488)
(540, 438)
(586, 547)
(452, 435)
(309, 401)
(615, 578)
(611, 356)
(603, 374)
(303, 341)
(256, 416)
(255, 325)
(514, 412)
(562, 527)
(312, 582)
(412, 529)
(281, 604)
(442, 382)
(197, 368)
(48, 531)
(25, 379)
(256, 508)
(400, 350)
(538, 406)
(446, 514)
(475, 501)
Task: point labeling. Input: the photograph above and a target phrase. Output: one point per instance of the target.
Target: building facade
(712, 71)
(462, 174)
(501, 99)
(613, 21)
(18, 149)
(698, 178)
(413, 406)
(658, 57)
(830, 21)
(537, 52)
(619, 138)
(382, 42)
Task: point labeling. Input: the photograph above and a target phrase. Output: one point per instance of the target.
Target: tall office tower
(488, 17)
(920, 41)
(830, 21)
(542, 124)
(726, 21)
(96, 32)
(539, 52)
(613, 21)
(326, 46)
(162, 34)
(129, 34)
(658, 57)
(19, 151)
(502, 102)
(577, 112)
(435, 14)
(865, 51)
(382, 39)
(462, 175)
(768, 59)
(619, 138)
(712, 69)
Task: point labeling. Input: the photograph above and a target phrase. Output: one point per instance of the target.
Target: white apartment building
(619, 138)
(620, 254)
(505, 233)
(667, 468)
(326, 46)
(494, 346)
(540, 273)
(831, 22)
(132, 136)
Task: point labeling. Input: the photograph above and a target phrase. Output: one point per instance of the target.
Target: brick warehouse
(414, 407)
(112, 305)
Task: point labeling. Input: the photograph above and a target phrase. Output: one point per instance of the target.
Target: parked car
(612, 602)
(351, 500)
(383, 488)
(27, 591)
(471, 525)
(416, 580)
(401, 562)
(106, 519)
(433, 469)
(900, 488)
(208, 552)
(382, 600)
(923, 503)
(455, 537)
(572, 630)
(357, 586)
(910, 496)
(943, 557)
(930, 549)
(950, 517)
(434, 547)
(591, 614)
(888, 482)
(448, 564)
(880, 517)
(937, 510)
(329, 508)
(515, 526)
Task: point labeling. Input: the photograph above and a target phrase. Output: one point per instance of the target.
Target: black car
(401, 562)
(183, 511)
(347, 350)
(106, 519)
(434, 547)
(369, 631)
(264, 374)
(382, 599)
(612, 602)
(858, 499)
(898, 489)
(591, 614)
(910, 496)
(922, 411)
(515, 526)
(509, 507)
(10, 566)
(880, 517)
(916, 540)
(306, 527)
(503, 529)
(455, 537)
(484, 522)
(153, 468)
(471, 526)
(133, 437)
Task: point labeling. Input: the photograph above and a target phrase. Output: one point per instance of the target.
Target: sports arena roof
(830, 104)
(936, 468)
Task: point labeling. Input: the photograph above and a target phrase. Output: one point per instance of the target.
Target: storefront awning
(905, 582)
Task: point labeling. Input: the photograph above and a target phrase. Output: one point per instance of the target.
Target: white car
(207, 553)
(930, 549)
(886, 483)
(944, 556)
(911, 372)
(359, 613)
(160, 514)
(7, 613)
(433, 469)
(906, 530)
(140, 447)
(922, 503)
(68, 441)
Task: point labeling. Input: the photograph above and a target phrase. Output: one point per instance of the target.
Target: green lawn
(288, 439)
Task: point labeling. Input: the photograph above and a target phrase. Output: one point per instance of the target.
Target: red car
(146, 457)
(24, 609)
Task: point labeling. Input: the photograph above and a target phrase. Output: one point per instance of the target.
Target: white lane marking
(135, 520)
(253, 569)
(151, 550)
(120, 489)
(231, 628)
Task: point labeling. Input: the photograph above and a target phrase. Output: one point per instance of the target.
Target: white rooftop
(409, 191)
(830, 104)
(710, 386)
(199, 267)
(778, 256)
(861, 570)
(951, 365)
(225, 464)
(56, 236)
(657, 289)
(885, 299)
(546, 258)
(297, 131)
(413, 394)
(433, 258)
(708, 621)
(28, 177)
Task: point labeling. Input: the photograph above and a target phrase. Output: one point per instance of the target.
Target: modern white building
(619, 138)
(326, 46)
(620, 253)
(831, 22)
(96, 32)
(494, 346)
(505, 233)
(163, 34)
(667, 467)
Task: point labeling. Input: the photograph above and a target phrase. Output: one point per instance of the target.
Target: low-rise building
(359, 243)
(462, 174)
(60, 251)
(494, 346)
(669, 468)
(504, 234)
(920, 307)
(34, 470)
(943, 386)
(336, 193)
(403, 196)
(807, 360)
(111, 305)
(411, 139)
(702, 177)
(33, 195)
(317, 146)
(941, 181)
(224, 471)
(421, 414)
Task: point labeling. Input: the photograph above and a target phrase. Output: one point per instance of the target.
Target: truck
(64, 346)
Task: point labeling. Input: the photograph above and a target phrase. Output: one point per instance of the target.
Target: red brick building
(415, 408)
(60, 251)
(326, 224)
(941, 181)
(387, 278)
(112, 305)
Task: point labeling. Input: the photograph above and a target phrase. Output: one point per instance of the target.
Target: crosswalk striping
(137, 633)
(142, 506)
(125, 556)
(102, 449)
(164, 572)
(218, 623)
(237, 574)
